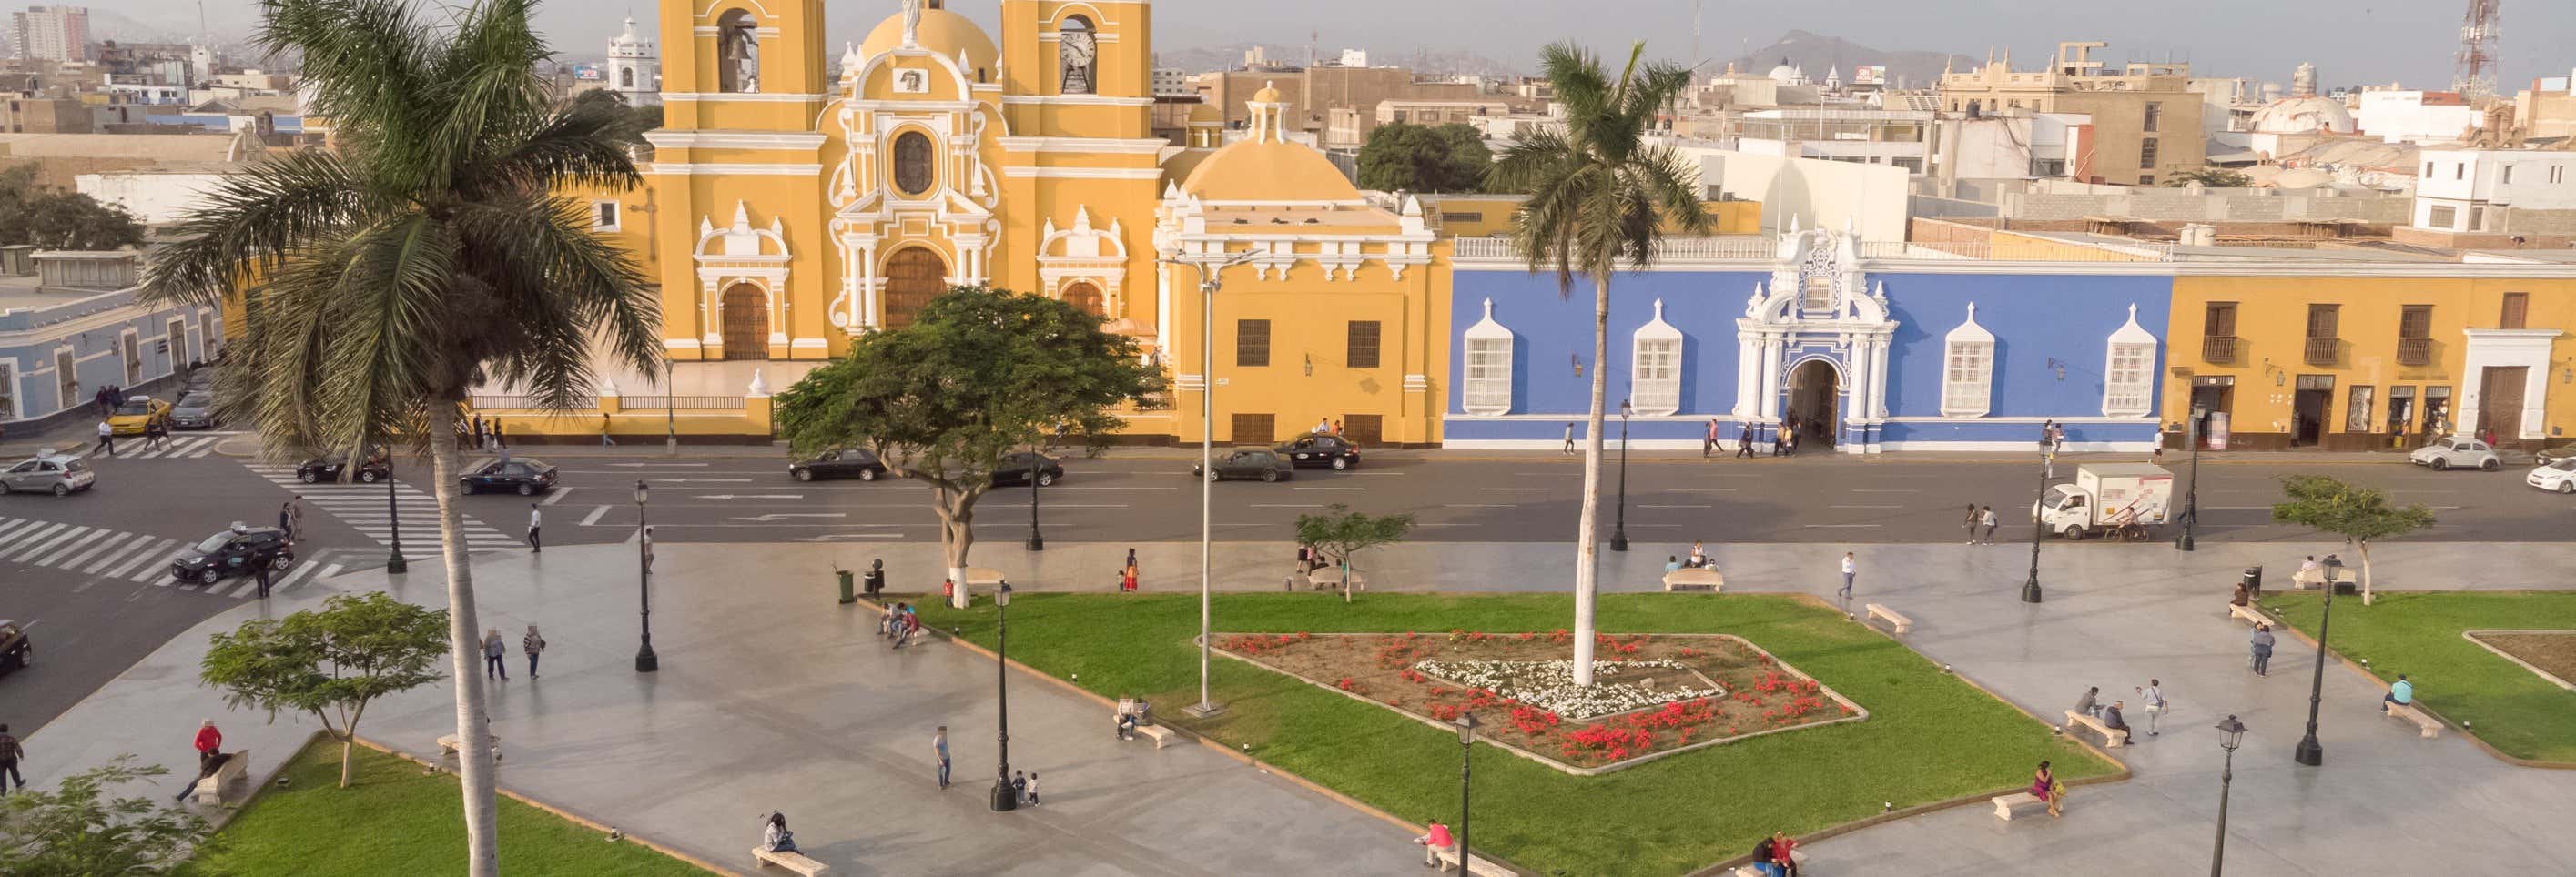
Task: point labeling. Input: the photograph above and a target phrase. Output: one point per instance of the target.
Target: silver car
(196, 410)
(47, 473)
(2456, 452)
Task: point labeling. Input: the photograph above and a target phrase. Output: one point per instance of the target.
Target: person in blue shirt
(2402, 693)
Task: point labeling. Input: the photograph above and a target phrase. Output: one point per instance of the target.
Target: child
(1020, 786)
(1033, 790)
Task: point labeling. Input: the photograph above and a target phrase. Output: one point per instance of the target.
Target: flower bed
(1651, 695)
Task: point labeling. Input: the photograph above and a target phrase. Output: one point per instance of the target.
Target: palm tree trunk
(473, 723)
(956, 535)
(1587, 567)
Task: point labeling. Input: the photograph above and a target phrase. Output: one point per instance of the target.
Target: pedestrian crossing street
(363, 507)
(178, 447)
(136, 557)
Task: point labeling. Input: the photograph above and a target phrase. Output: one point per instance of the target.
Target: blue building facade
(55, 354)
(1896, 355)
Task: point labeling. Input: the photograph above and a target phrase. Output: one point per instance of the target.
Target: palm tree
(1600, 197)
(427, 252)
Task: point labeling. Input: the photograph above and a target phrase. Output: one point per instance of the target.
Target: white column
(1770, 366)
(1747, 382)
(778, 313)
(712, 333)
(1878, 381)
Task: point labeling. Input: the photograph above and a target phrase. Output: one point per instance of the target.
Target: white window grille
(1655, 376)
(1967, 379)
(1488, 389)
(2129, 374)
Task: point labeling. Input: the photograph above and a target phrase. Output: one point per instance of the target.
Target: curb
(2465, 734)
(567, 815)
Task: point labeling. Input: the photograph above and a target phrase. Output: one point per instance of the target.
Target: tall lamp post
(2030, 586)
(645, 660)
(1466, 747)
(2191, 492)
(1619, 532)
(1037, 472)
(2310, 752)
(2235, 731)
(394, 563)
(1209, 285)
(1004, 800)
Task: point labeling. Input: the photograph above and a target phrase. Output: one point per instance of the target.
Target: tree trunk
(1346, 580)
(2364, 546)
(1587, 567)
(348, 749)
(473, 723)
(956, 535)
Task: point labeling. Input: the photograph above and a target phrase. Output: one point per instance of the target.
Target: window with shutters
(1251, 343)
(2516, 307)
(1968, 369)
(2155, 113)
(1363, 344)
(2322, 320)
(2147, 153)
(8, 390)
(1488, 373)
(1655, 367)
(2129, 370)
(2415, 335)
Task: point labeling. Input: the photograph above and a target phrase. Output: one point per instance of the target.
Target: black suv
(527, 477)
(1319, 450)
(14, 646)
(233, 552)
(326, 468)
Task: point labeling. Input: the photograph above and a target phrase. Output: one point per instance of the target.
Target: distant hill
(1818, 54)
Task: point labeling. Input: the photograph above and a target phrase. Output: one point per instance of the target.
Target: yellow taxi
(131, 417)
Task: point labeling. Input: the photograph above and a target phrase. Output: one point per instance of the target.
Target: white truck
(2123, 498)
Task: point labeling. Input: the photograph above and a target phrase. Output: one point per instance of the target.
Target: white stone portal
(1818, 306)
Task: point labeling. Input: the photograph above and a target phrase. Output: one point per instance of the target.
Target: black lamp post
(2030, 586)
(645, 660)
(394, 563)
(1037, 474)
(2235, 731)
(2191, 492)
(1619, 532)
(2310, 753)
(1004, 800)
(1466, 747)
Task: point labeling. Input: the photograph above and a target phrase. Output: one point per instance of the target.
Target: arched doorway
(913, 277)
(1085, 297)
(746, 322)
(1815, 400)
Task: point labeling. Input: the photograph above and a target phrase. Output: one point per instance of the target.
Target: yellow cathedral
(796, 199)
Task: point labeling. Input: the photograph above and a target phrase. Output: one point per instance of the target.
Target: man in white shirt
(106, 439)
(1850, 566)
(1323, 426)
(2155, 700)
(535, 518)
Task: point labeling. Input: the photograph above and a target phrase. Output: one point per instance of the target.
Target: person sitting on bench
(2401, 693)
(776, 838)
(2111, 717)
(1126, 726)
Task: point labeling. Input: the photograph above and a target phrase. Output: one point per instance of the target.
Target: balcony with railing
(2220, 348)
(2414, 351)
(2321, 351)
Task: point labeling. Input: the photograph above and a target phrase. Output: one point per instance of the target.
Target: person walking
(1986, 516)
(534, 645)
(536, 519)
(286, 519)
(499, 443)
(10, 751)
(1779, 443)
(260, 573)
(1744, 440)
(2262, 649)
(1127, 574)
(1569, 439)
(1435, 837)
(939, 749)
(1709, 443)
(494, 650)
(604, 440)
(1033, 789)
(2154, 697)
(1971, 521)
(210, 754)
(106, 439)
(1791, 443)
(156, 434)
(294, 516)
(482, 441)
(1851, 566)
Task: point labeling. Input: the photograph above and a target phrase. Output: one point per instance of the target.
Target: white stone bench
(1900, 622)
(210, 788)
(1480, 867)
(2430, 726)
(1747, 870)
(2018, 804)
(447, 745)
(1695, 578)
(1162, 735)
(796, 862)
(2116, 738)
(2247, 612)
(2344, 584)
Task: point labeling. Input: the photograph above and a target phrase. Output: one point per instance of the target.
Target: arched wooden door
(913, 277)
(746, 322)
(1085, 297)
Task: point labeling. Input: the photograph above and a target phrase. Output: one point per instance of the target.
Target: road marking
(1056, 487)
(364, 506)
(2235, 508)
(733, 496)
(40, 540)
(1839, 526)
(114, 555)
(796, 515)
(1699, 490)
(641, 465)
(16, 524)
(1701, 506)
(595, 515)
(1885, 490)
(556, 495)
(1516, 489)
(1865, 507)
(1059, 505)
(30, 531)
(1287, 505)
(1375, 474)
(835, 537)
(1478, 505)
(701, 480)
(48, 560)
(1327, 488)
(158, 549)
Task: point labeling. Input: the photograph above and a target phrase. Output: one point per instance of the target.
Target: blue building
(76, 326)
(1897, 353)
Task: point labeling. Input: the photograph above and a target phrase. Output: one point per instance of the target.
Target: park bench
(1900, 622)
(1695, 578)
(2018, 804)
(447, 745)
(1480, 867)
(2116, 738)
(1162, 735)
(2247, 612)
(2311, 578)
(1747, 869)
(2430, 726)
(796, 862)
(235, 768)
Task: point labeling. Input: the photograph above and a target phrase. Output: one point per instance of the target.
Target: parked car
(527, 477)
(15, 648)
(848, 463)
(1262, 463)
(130, 417)
(48, 473)
(2456, 452)
(2546, 456)
(2557, 475)
(377, 466)
(235, 551)
(195, 410)
(1319, 450)
(1016, 468)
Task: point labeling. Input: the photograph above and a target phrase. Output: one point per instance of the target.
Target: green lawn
(396, 821)
(2418, 634)
(1930, 737)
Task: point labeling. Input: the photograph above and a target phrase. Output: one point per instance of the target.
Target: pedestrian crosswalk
(176, 447)
(364, 507)
(136, 557)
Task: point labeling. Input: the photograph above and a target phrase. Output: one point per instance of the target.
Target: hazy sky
(2351, 41)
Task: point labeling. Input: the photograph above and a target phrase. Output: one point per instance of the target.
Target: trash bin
(847, 596)
(2254, 580)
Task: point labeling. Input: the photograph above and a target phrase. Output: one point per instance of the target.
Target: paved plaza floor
(771, 696)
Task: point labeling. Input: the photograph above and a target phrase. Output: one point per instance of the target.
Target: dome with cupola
(940, 31)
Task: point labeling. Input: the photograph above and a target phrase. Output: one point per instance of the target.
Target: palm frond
(253, 221)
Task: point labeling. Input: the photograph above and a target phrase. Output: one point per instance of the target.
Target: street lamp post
(2030, 586)
(2191, 493)
(394, 563)
(1037, 471)
(1619, 532)
(1004, 800)
(2235, 732)
(645, 660)
(670, 410)
(1466, 749)
(1209, 285)
(2310, 752)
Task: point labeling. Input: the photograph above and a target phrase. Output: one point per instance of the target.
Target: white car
(2559, 475)
(2456, 452)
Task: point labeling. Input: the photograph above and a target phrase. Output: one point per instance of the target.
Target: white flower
(1549, 685)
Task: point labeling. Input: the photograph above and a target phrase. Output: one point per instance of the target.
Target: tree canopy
(1417, 158)
(2361, 514)
(329, 663)
(632, 120)
(55, 218)
(1341, 533)
(76, 830)
(2213, 177)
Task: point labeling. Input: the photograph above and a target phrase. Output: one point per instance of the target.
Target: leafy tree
(980, 373)
(1417, 158)
(2358, 514)
(633, 120)
(1600, 198)
(55, 218)
(76, 830)
(2213, 177)
(427, 254)
(330, 663)
(1341, 533)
